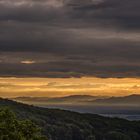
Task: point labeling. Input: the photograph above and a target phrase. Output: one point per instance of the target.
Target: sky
(59, 87)
(70, 39)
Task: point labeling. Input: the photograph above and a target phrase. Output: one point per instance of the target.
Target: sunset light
(57, 87)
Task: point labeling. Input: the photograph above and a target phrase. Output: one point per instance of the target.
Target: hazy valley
(125, 107)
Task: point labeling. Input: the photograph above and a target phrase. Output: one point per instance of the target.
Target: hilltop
(65, 125)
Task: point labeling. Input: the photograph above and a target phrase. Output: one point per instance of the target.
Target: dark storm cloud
(124, 13)
(66, 38)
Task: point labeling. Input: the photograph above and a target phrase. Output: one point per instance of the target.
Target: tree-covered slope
(11, 128)
(66, 125)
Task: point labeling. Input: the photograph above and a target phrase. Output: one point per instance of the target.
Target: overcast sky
(65, 38)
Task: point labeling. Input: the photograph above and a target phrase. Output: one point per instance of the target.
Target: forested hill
(66, 125)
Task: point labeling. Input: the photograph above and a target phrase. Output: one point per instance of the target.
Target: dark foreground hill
(66, 125)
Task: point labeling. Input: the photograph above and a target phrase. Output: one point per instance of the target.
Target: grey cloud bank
(67, 38)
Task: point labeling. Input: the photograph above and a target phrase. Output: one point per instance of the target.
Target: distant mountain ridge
(133, 99)
(65, 99)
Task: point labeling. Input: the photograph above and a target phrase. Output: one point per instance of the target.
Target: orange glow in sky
(54, 87)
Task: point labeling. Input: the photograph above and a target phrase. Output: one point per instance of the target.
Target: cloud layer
(66, 38)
